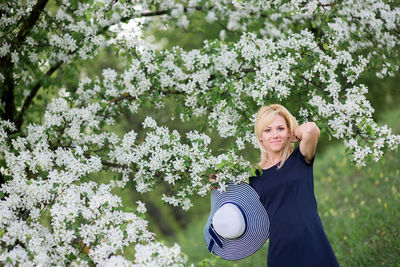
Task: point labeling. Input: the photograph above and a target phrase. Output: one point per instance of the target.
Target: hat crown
(228, 221)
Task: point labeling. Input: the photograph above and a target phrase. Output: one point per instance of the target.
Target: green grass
(359, 208)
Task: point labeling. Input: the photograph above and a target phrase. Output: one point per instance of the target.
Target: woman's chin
(276, 149)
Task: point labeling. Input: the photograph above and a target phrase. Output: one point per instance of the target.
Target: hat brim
(257, 229)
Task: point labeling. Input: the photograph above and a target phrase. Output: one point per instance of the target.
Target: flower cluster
(161, 156)
(157, 254)
(85, 221)
(84, 218)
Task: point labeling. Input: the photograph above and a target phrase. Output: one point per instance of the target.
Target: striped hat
(238, 224)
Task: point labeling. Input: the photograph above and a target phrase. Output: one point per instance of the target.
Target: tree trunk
(156, 214)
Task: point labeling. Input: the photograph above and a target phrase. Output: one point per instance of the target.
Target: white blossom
(141, 207)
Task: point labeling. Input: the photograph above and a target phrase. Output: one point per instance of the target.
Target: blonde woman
(286, 190)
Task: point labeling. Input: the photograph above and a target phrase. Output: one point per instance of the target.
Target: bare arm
(308, 135)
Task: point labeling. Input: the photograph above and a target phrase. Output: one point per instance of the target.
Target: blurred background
(359, 206)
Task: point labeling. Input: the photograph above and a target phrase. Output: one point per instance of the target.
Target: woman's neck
(273, 159)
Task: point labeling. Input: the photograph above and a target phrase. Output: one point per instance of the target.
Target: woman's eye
(267, 130)
(281, 128)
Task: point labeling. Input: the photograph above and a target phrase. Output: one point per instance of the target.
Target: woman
(286, 190)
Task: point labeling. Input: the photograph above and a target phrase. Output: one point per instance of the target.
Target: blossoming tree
(309, 54)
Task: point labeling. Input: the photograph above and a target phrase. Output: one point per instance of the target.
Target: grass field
(359, 208)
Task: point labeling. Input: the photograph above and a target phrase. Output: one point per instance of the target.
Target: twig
(35, 89)
(163, 12)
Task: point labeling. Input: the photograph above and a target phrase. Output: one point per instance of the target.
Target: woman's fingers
(294, 138)
(213, 180)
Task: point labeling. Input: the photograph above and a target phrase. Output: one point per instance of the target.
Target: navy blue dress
(297, 237)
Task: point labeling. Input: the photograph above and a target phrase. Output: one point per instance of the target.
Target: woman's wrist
(308, 128)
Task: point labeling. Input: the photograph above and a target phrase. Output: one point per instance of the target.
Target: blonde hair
(265, 115)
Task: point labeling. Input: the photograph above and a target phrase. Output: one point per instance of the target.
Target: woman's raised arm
(308, 135)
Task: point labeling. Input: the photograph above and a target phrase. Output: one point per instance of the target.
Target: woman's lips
(275, 142)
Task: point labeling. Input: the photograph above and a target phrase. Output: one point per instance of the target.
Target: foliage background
(359, 206)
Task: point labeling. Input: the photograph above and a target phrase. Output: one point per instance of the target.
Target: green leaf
(28, 237)
(147, 104)
(314, 24)
(370, 130)
(325, 46)
(103, 104)
(253, 172)
(219, 166)
(75, 226)
(2, 232)
(71, 256)
(123, 226)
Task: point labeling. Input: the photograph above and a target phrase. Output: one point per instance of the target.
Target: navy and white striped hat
(240, 209)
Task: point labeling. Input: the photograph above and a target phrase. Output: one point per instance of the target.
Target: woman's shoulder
(296, 151)
(296, 154)
(254, 178)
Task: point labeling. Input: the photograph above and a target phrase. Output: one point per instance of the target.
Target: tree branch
(330, 4)
(31, 20)
(363, 135)
(146, 14)
(6, 65)
(120, 98)
(113, 165)
(8, 96)
(35, 89)
(2, 180)
(155, 13)
(163, 12)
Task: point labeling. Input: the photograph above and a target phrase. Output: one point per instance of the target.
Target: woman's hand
(213, 181)
(294, 138)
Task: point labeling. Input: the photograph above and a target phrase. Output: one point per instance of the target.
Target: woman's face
(275, 135)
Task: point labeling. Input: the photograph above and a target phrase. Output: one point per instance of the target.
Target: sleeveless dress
(297, 237)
